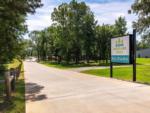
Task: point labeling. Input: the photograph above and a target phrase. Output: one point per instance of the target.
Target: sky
(105, 11)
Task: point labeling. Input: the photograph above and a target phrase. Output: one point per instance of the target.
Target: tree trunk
(87, 59)
(38, 54)
(59, 59)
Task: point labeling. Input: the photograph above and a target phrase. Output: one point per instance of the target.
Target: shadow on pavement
(33, 92)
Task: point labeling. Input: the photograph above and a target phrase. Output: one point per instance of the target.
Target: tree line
(75, 35)
(142, 9)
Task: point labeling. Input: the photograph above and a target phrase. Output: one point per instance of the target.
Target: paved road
(50, 90)
(87, 68)
(93, 67)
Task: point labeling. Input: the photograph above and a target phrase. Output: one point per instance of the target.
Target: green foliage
(76, 29)
(104, 34)
(42, 43)
(142, 9)
(75, 36)
(120, 25)
(17, 104)
(26, 48)
(12, 25)
(143, 44)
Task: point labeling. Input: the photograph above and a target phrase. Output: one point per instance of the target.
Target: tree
(76, 29)
(36, 43)
(75, 35)
(54, 43)
(89, 35)
(104, 34)
(45, 42)
(142, 9)
(142, 44)
(12, 25)
(60, 16)
(26, 48)
(120, 25)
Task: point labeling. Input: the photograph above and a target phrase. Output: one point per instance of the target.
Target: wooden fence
(10, 78)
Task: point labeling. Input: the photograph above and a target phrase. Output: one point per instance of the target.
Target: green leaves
(142, 9)
(77, 24)
(120, 26)
(75, 36)
(12, 25)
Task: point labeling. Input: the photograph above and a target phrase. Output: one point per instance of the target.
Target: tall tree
(76, 23)
(103, 35)
(142, 9)
(120, 25)
(89, 35)
(12, 25)
(60, 17)
(36, 43)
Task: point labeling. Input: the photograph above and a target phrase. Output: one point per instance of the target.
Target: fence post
(17, 72)
(13, 82)
(7, 84)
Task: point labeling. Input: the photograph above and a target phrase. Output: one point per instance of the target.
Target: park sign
(120, 50)
(123, 51)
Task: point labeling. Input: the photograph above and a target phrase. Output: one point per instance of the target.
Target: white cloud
(118, 14)
(41, 19)
(105, 13)
(39, 23)
(109, 12)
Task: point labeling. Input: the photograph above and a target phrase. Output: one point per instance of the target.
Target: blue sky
(105, 11)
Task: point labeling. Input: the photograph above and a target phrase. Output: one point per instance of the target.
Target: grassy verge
(125, 73)
(68, 66)
(17, 103)
(14, 64)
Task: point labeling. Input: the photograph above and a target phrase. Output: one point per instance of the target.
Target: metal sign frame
(132, 55)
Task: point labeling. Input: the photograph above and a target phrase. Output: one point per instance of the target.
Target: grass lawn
(68, 66)
(125, 73)
(17, 104)
(143, 61)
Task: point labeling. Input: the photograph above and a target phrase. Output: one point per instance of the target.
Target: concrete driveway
(80, 69)
(50, 90)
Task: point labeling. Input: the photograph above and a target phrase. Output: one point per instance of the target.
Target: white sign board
(120, 49)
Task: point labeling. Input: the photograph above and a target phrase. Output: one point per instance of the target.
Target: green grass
(14, 64)
(125, 73)
(82, 64)
(143, 61)
(67, 66)
(17, 102)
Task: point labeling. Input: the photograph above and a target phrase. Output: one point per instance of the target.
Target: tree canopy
(142, 9)
(75, 36)
(120, 25)
(12, 25)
